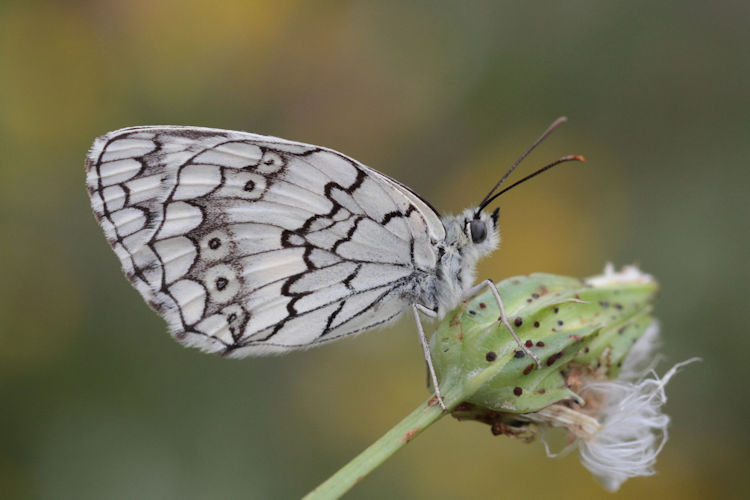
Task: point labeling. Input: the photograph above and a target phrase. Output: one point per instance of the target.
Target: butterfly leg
(416, 309)
(503, 318)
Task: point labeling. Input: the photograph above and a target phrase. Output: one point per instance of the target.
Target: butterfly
(253, 245)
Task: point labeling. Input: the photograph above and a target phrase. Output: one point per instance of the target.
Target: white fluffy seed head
(633, 427)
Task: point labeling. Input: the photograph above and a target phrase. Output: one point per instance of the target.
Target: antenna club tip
(565, 158)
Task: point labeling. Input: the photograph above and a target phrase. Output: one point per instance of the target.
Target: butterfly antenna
(564, 159)
(547, 132)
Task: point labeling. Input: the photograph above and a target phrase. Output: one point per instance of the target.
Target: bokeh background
(96, 401)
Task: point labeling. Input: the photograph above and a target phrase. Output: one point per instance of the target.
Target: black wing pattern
(249, 245)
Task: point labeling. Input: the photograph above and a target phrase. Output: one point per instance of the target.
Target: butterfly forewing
(249, 244)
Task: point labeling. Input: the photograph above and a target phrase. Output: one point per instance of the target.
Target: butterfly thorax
(458, 257)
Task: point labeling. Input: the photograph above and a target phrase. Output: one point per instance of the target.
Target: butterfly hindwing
(248, 244)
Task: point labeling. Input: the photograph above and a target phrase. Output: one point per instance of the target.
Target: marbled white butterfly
(252, 245)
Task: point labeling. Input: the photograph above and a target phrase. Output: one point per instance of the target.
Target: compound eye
(478, 231)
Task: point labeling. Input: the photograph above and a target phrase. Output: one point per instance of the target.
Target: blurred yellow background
(96, 401)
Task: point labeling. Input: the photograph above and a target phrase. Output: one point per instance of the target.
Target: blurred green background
(96, 401)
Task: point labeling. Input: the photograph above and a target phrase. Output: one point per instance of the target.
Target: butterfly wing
(248, 244)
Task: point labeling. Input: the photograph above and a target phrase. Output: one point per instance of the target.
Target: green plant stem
(378, 452)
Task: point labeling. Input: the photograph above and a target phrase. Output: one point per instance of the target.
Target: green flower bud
(569, 324)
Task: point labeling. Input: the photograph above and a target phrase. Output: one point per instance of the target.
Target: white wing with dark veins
(249, 245)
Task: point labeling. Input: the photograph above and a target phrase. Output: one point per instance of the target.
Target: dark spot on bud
(528, 369)
(214, 243)
(482, 305)
(618, 306)
(536, 324)
(472, 312)
(619, 364)
(540, 344)
(491, 356)
(231, 317)
(556, 309)
(517, 391)
(250, 185)
(620, 330)
(519, 354)
(221, 283)
(518, 321)
(535, 295)
(529, 343)
(604, 303)
(586, 350)
(551, 360)
(528, 300)
(559, 323)
(541, 391)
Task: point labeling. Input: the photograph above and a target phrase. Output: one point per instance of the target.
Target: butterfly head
(478, 228)
(472, 234)
(481, 232)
